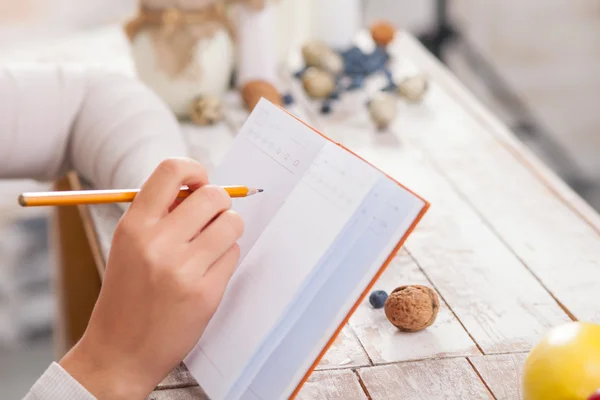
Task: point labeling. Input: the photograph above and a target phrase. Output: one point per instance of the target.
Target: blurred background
(533, 62)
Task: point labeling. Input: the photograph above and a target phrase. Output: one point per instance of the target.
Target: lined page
(311, 221)
(282, 257)
(376, 227)
(273, 151)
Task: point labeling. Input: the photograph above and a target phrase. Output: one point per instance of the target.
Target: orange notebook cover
(317, 188)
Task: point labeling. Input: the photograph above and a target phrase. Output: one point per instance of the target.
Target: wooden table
(510, 249)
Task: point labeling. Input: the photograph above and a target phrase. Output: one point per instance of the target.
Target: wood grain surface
(385, 343)
(496, 298)
(332, 385)
(501, 373)
(447, 379)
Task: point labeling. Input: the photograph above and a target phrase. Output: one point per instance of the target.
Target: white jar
(181, 65)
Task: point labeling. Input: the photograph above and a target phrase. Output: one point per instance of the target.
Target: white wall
(549, 50)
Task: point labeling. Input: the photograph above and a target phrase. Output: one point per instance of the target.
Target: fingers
(216, 238)
(161, 189)
(219, 274)
(193, 214)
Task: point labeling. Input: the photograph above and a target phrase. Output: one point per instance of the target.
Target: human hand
(168, 268)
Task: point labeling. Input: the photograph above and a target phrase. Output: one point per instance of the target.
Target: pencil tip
(260, 190)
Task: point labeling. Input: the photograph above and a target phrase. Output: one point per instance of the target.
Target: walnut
(412, 308)
(318, 83)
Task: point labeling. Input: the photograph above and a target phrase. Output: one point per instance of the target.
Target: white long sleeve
(57, 384)
(110, 128)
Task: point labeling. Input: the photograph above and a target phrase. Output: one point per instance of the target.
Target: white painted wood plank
(385, 343)
(105, 218)
(452, 378)
(345, 352)
(556, 244)
(189, 393)
(178, 378)
(332, 385)
(502, 373)
(499, 302)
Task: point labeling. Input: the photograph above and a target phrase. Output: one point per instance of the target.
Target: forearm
(111, 129)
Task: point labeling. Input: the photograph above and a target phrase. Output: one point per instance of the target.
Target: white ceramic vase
(209, 72)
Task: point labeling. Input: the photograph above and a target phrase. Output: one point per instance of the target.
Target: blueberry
(378, 298)
(288, 99)
(326, 108)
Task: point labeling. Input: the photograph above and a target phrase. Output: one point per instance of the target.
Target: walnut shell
(254, 90)
(206, 110)
(412, 308)
(318, 83)
(382, 33)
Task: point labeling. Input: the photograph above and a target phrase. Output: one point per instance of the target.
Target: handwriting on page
(338, 178)
(284, 143)
(272, 151)
(281, 149)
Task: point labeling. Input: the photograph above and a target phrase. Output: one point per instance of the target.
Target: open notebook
(315, 241)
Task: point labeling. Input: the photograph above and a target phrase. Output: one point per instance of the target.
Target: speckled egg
(206, 110)
(412, 308)
(383, 109)
(414, 88)
(317, 54)
(318, 83)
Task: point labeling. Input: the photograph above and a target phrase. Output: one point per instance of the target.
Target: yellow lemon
(565, 364)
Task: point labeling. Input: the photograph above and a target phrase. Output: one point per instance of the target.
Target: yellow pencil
(76, 197)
